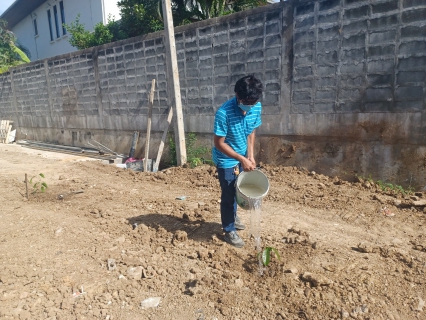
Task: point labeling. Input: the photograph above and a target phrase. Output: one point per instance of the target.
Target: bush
(195, 155)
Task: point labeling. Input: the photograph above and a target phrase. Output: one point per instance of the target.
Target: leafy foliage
(11, 53)
(82, 38)
(195, 155)
(389, 187)
(139, 17)
(386, 187)
(38, 185)
(207, 9)
(265, 255)
(240, 5)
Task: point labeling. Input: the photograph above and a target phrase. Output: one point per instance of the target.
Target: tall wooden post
(176, 100)
(148, 125)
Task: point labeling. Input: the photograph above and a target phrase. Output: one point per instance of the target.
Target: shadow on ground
(198, 230)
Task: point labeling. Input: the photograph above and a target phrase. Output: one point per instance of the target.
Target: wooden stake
(26, 184)
(176, 100)
(7, 134)
(148, 127)
(163, 141)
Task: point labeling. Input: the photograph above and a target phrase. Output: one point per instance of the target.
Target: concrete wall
(345, 86)
(364, 56)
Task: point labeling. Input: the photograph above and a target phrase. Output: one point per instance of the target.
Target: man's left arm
(251, 137)
(250, 147)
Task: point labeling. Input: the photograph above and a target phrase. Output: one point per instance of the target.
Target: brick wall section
(126, 71)
(212, 58)
(342, 56)
(7, 110)
(72, 86)
(212, 55)
(30, 94)
(359, 56)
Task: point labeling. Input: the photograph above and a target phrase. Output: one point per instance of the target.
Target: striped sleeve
(220, 123)
(256, 115)
(258, 118)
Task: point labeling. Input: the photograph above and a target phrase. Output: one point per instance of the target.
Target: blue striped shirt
(230, 123)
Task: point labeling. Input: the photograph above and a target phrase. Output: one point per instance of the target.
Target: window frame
(55, 13)
(62, 10)
(49, 18)
(35, 27)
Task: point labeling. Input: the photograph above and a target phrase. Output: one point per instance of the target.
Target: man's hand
(250, 149)
(252, 161)
(247, 164)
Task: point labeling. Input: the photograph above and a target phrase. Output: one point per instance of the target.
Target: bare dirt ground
(348, 250)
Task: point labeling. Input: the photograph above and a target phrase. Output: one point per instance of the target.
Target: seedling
(265, 255)
(38, 185)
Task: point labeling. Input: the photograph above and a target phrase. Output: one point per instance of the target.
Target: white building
(38, 23)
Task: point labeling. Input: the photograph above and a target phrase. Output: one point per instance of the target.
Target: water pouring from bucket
(251, 188)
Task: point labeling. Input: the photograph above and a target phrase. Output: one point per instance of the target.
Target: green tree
(82, 38)
(144, 16)
(240, 5)
(139, 17)
(207, 9)
(11, 54)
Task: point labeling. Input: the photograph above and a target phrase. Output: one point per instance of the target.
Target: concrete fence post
(95, 55)
(15, 103)
(49, 90)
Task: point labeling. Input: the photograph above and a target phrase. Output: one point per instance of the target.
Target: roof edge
(18, 10)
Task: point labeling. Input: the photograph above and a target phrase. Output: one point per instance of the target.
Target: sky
(4, 4)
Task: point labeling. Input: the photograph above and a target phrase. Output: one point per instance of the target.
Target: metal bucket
(255, 178)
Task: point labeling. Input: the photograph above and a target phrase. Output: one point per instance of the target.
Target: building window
(55, 13)
(61, 7)
(49, 18)
(35, 27)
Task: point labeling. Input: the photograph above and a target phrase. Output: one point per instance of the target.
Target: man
(234, 134)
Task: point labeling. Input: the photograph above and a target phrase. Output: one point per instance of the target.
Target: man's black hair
(249, 88)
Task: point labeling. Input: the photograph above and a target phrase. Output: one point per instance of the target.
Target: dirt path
(341, 256)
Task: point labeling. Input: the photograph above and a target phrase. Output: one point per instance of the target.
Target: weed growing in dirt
(195, 155)
(386, 186)
(393, 187)
(265, 255)
(38, 184)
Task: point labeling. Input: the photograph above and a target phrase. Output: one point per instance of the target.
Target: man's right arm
(219, 143)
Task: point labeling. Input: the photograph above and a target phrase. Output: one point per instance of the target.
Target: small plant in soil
(195, 155)
(389, 187)
(38, 184)
(265, 255)
(386, 186)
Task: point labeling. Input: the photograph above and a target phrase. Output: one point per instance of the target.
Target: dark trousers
(228, 202)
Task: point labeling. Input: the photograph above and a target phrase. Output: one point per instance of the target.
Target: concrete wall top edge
(237, 15)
